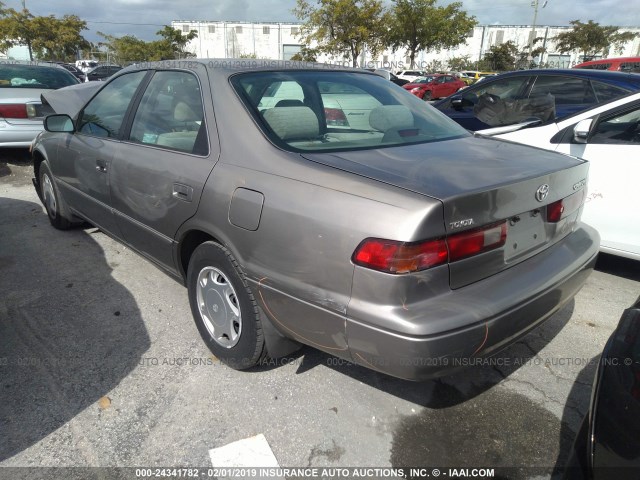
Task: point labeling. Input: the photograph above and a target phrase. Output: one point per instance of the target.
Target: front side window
(622, 128)
(103, 115)
(170, 114)
(505, 89)
(333, 111)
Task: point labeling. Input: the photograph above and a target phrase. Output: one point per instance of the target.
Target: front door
(84, 171)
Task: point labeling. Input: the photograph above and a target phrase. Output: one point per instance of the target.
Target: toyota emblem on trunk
(542, 192)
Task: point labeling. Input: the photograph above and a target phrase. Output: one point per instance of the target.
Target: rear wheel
(224, 308)
(51, 198)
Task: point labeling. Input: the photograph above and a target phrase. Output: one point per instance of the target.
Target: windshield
(333, 111)
(32, 76)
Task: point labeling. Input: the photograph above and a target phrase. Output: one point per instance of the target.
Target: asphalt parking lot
(101, 365)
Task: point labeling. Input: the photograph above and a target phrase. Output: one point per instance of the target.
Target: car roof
(230, 66)
(594, 74)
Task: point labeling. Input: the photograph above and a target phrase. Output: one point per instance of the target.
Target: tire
(224, 308)
(427, 96)
(51, 198)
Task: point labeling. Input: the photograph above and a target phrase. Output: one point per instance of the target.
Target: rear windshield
(32, 76)
(333, 111)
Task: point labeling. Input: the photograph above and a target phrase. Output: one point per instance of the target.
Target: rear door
(159, 171)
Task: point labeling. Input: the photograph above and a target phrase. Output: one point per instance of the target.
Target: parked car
(76, 72)
(102, 72)
(622, 64)
(410, 75)
(476, 75)
(435, 86)
(404, 246)
(468, 80)
(527, 93)
(86, 65)
(390, 76)
(607, 445)
(21, 111)
(608, 136)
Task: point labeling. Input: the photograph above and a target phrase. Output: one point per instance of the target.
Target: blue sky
(143, 18)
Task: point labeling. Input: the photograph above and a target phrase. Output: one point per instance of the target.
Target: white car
(608, 136)
(410, 75)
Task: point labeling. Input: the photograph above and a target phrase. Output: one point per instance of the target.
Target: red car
(435, 86)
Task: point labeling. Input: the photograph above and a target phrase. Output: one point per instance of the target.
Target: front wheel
(427, 96)
(51, 198)
(224, 308)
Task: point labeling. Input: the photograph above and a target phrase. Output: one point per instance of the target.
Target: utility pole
(534, 4)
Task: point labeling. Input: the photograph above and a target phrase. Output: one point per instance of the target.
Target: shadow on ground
(69, 333)
(619, 266)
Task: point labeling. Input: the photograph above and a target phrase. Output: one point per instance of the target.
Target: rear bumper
(19, 135)
(485, 316)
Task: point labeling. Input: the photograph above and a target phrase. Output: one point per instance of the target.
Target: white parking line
(253, 452)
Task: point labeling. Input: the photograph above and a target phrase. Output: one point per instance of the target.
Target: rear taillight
(398, 257)
(335, 117)
(18, 110)
(556, 211)
(473, 242)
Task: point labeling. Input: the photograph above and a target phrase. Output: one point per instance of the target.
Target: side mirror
(581, 130)
(61, 123)
(456, 102)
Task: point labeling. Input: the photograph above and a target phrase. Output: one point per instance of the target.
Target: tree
(305, 54)
(128, 48)
(591, 39)
(457, 64)
(58, 38)
(49, 37)
(172, 43)
(500, 57)
(421, 25)
(343, 27)
(16, 29)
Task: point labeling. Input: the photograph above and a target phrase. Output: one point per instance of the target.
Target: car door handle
(182, 192)
(101, 166)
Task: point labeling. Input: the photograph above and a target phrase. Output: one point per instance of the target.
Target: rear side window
(630, 67)
(606, 92)
(565, 90)
(596, 66)
(103, 115)
(171, 115)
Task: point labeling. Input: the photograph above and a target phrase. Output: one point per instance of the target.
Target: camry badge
(542, 192)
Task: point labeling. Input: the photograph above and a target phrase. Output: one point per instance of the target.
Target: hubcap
(219, 307)
(49, 196)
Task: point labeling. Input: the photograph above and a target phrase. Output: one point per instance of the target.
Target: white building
(281, 40)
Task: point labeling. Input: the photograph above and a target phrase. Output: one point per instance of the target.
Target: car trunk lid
(480, 182)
